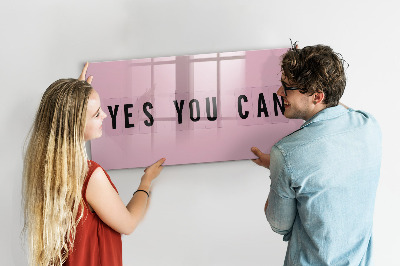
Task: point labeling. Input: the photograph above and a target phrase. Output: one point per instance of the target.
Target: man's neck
(318, 108)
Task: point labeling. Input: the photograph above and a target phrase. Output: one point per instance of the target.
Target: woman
(73, 213)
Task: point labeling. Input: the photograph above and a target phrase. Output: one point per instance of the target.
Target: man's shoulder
(365, 116)
(351, 122)
(292, 142)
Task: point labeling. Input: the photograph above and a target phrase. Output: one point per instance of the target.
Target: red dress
(95, 242)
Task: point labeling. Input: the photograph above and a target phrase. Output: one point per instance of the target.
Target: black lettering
(197, 110)
(179, 109)
(127, 115)
(113, 115)
(214, 100)
(240, 111)
(147, 113)
(280, 103)
(262, 107)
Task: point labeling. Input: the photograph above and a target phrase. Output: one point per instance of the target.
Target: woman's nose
(104, 115)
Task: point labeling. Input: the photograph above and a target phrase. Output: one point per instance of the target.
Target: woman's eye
(97, 115)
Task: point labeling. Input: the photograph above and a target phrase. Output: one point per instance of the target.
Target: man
(323, 176)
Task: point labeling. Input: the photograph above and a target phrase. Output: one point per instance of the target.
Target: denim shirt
(324, 178)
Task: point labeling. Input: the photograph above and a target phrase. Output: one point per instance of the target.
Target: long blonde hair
(55, 167)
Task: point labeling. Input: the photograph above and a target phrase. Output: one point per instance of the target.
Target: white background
(204, 214)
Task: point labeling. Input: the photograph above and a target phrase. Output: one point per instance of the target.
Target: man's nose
(280, 91)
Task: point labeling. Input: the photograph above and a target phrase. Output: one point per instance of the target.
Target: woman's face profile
(94, 117)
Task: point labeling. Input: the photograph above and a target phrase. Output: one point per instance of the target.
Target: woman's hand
(83, 74)
(151, 172)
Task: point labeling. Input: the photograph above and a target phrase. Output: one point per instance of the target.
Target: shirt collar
(326, 114)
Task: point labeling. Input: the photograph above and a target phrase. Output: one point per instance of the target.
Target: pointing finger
(156, 164)
(256, 151)
(83, 74)
(160, 162)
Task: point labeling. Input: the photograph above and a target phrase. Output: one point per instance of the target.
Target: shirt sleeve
(281, 210)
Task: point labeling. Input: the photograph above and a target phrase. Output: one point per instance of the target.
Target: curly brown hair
(316, 69)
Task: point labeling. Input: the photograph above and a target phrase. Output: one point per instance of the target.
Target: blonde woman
(73, 213)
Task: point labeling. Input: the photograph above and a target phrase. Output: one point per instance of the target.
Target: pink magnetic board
(189, 109)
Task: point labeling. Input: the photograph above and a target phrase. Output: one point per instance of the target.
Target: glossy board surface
(189, 109)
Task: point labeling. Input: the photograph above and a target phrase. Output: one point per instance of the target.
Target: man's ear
(318, 97)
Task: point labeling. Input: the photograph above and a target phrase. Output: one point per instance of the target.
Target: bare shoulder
(98, 184)
(98, 173)
(106, 202)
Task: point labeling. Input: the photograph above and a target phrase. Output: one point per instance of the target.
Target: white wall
(204, 214)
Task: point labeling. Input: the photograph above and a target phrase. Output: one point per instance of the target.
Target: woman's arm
(108, 205)
(343, 105)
